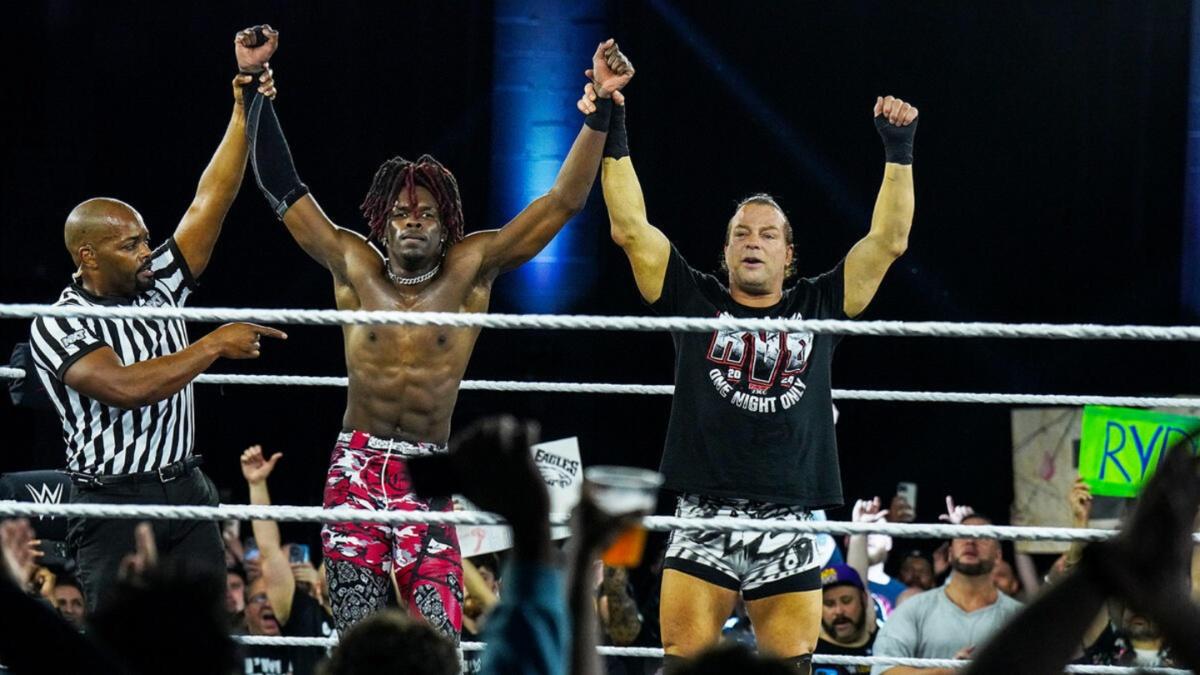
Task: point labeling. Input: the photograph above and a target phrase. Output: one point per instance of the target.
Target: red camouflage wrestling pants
(370, 473)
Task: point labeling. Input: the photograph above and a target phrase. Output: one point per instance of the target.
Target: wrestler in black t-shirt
(752, 416)
(751, 429)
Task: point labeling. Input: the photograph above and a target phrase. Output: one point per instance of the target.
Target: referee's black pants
(101, 544)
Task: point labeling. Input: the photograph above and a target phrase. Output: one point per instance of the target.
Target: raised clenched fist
(254, 46)
(611, 70)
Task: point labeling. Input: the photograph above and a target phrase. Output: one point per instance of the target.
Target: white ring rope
(330, 317)
(658, 523)
(667, 389)
(654, 523)
(655, 653)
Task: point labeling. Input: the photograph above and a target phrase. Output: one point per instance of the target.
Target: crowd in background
(543, 608)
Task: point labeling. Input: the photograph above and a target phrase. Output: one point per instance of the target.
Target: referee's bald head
(96, 220)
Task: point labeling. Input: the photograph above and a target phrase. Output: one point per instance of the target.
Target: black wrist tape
(617, 143)
(599, 120)
(897, 140)
(270, 156)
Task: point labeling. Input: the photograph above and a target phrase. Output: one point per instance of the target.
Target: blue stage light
(541, 50)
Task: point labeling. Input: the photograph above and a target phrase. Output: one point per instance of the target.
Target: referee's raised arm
(198, 230)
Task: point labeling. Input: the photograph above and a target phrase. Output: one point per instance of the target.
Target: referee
(123, 387)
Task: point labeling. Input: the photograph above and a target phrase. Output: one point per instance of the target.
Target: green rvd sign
(1121, 447)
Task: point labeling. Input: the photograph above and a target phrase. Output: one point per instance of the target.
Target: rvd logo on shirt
(754, 364)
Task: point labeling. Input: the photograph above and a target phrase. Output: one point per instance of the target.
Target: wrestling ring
(654, 523)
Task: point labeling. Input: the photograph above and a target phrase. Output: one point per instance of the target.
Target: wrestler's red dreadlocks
(399, 176)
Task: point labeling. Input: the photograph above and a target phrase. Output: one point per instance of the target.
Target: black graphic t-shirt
(268, 660)
(472, 661)
(826, 647)
(752, 415)
(308, 619)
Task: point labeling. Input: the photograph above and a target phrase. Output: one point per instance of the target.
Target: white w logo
(44, 494)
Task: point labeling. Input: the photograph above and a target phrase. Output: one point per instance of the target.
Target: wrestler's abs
(404, 380)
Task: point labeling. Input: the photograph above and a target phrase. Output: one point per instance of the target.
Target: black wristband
(598, 120)
(617, 143)
(897, 140)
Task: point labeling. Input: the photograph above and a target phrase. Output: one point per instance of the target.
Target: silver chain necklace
(411, 281)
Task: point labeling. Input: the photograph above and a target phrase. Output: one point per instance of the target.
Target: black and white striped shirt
(101, 439)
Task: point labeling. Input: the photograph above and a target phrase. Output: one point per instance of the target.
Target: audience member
(1118, 636)
(1138, 642)
(1147, 566)
(70, 602)
(481, 593)
(276, 604)
(867, 553)
(953, 620)
(848, 620)
(135, 631)
(235, 598)
(618, 611)
(916, 571)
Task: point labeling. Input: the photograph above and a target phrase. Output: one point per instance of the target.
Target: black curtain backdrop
(1049, 172)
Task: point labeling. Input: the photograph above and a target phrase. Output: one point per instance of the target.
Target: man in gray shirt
(953, 620)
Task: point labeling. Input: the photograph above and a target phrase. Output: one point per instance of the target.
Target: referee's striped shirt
(101, 439)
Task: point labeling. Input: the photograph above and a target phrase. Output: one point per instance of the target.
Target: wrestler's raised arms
(345, 253)
(647, 248)
(535, 226)
(871, 257)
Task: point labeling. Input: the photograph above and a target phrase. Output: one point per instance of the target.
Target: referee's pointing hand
(242, 340)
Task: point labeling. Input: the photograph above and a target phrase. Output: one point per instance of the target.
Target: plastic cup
(619, 491)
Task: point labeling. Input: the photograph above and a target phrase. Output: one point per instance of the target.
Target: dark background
(1049, 176)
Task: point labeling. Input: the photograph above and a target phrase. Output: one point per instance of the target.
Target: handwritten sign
(558, 463)
(1121, 447)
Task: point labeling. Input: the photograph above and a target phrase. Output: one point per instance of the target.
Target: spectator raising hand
(256, 469)
(1081, 503)
(955, 515)
(144, 557)
(20, 551)
(279, 602)
(868, 511)
(592, 531)
(528, 631)
(867, 553)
